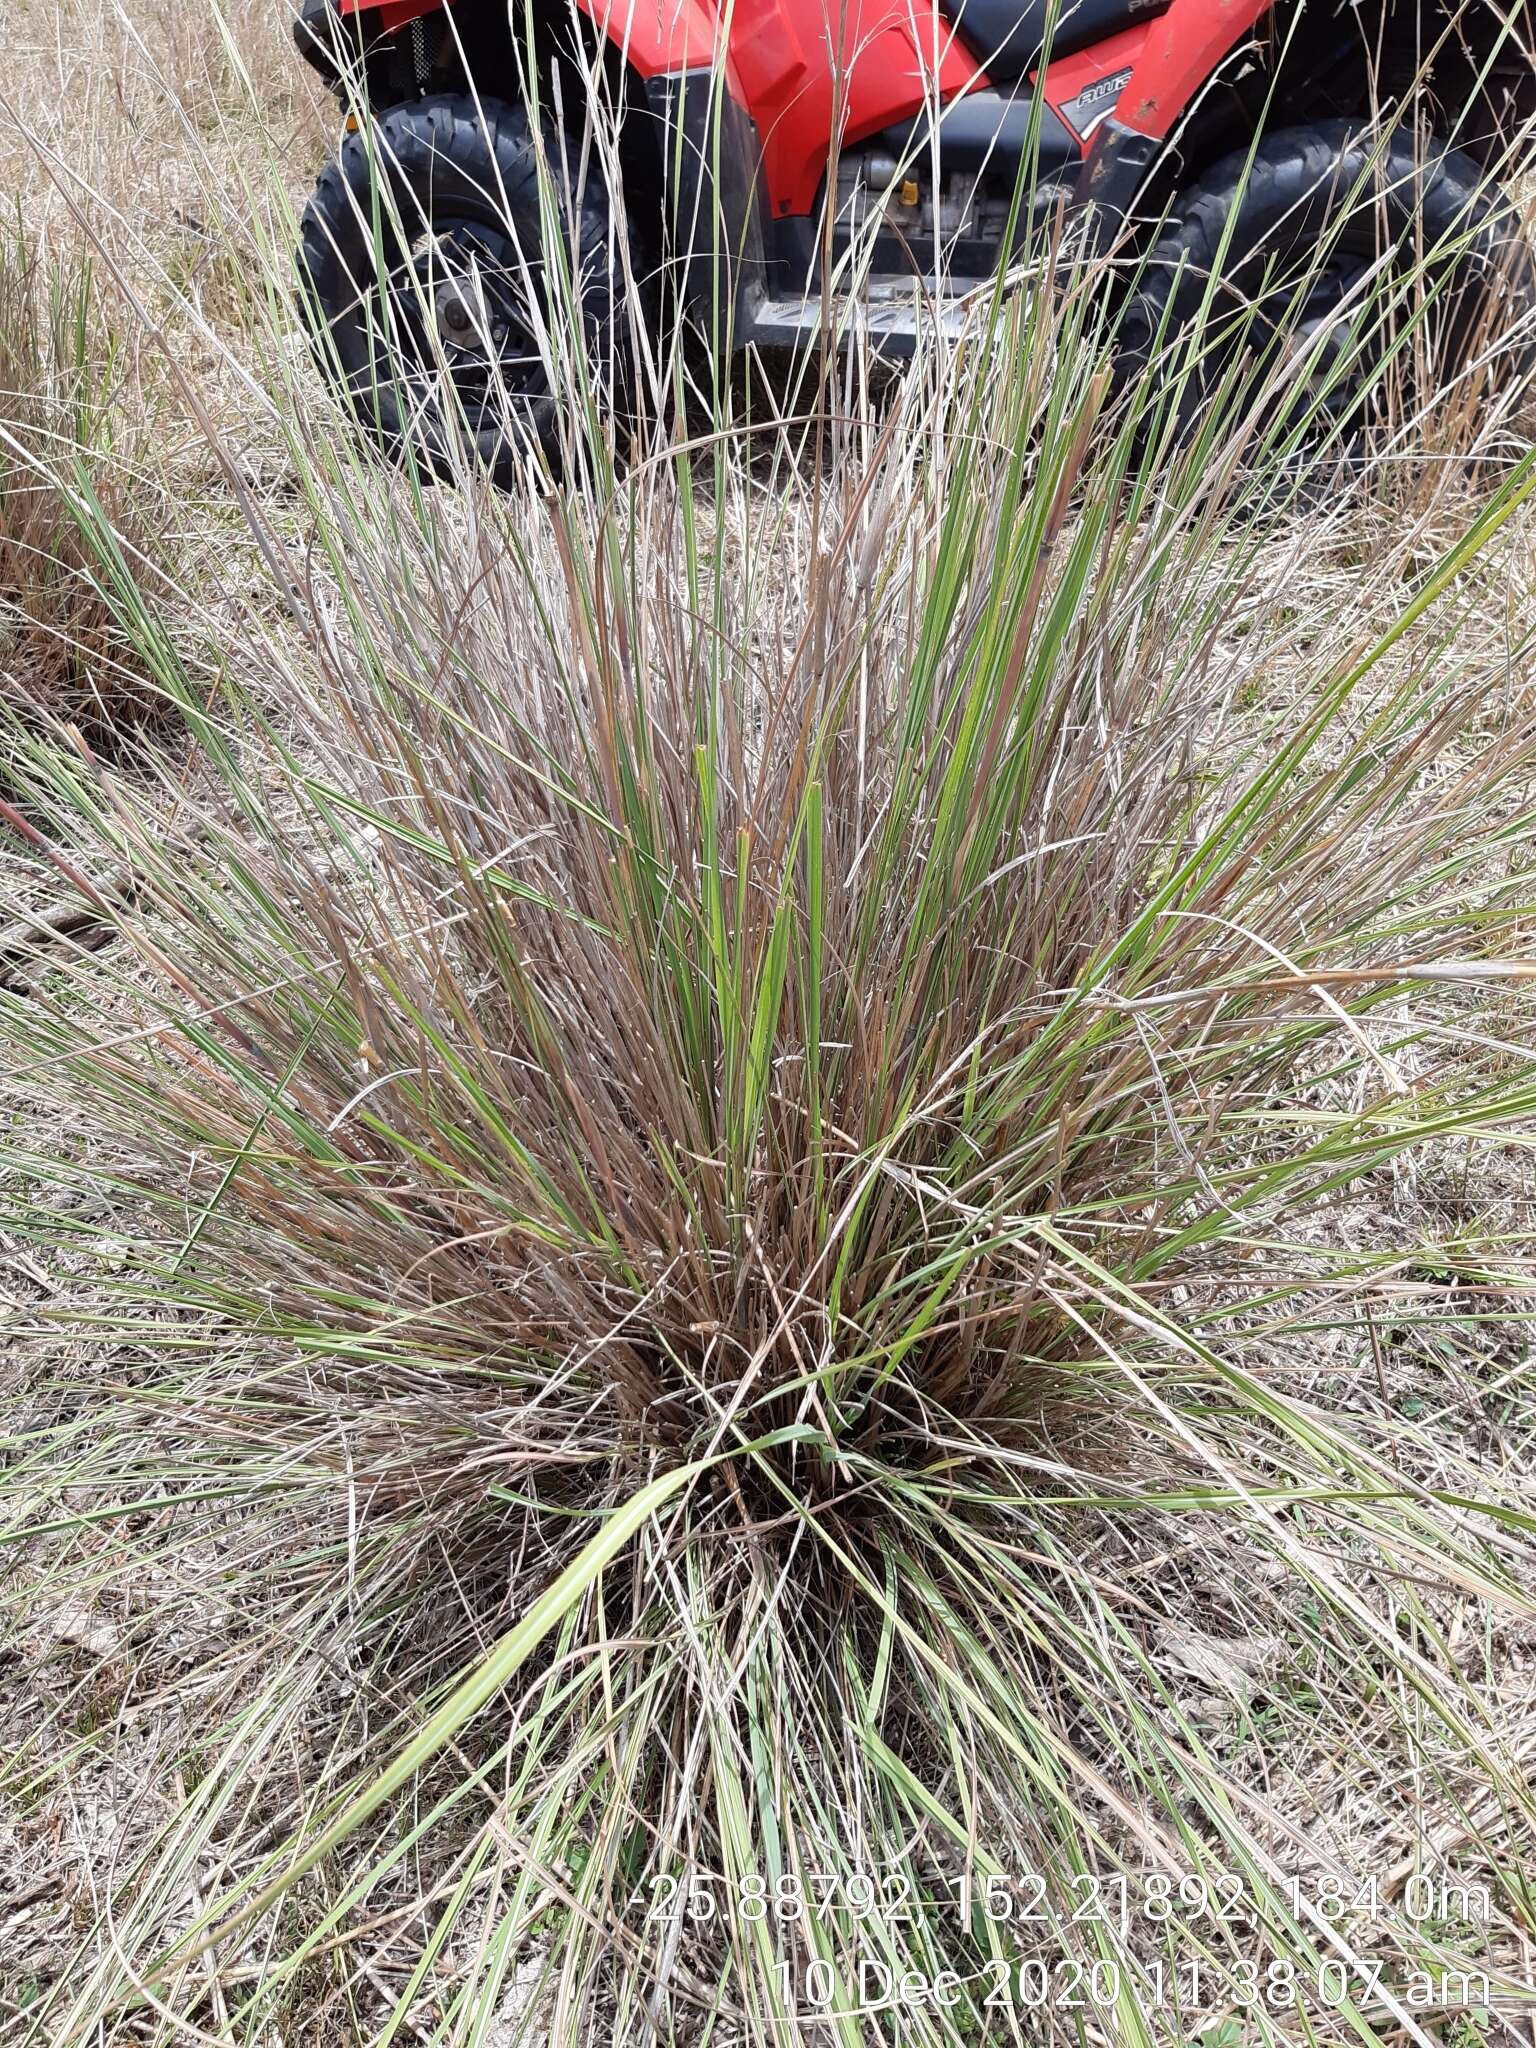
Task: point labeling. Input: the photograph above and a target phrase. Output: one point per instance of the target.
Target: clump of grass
(74, 472)
(722, 1098)
(710, 1143)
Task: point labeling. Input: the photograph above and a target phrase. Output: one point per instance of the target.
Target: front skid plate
(888, 317)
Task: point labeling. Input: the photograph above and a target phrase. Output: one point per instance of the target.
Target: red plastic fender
(392, 14)
(658, 36)
(1182, 49)
(803, 63)
(1085, 88)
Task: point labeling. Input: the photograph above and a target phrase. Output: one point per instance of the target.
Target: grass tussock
(74, 461)
(777, 1240)
(723, 1103)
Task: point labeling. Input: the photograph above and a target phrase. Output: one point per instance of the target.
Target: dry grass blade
(67, 459)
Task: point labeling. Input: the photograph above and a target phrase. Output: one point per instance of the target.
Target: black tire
(456, 236)
(1334, 188)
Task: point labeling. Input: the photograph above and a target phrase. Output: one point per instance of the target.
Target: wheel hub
(464, 320)
(471, 309)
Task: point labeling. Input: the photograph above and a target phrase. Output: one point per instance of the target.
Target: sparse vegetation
(768, 1231)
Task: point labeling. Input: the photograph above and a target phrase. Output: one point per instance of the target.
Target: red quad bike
(1236, 135)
